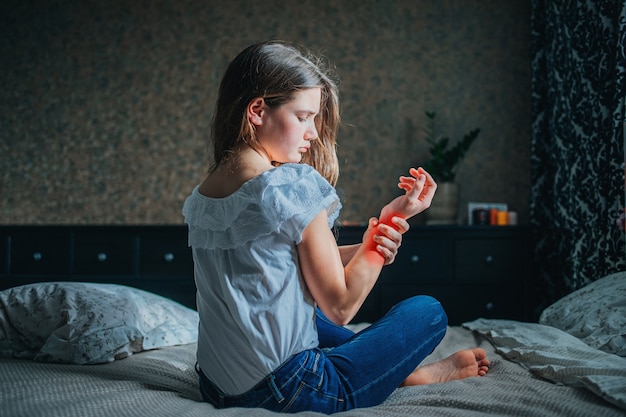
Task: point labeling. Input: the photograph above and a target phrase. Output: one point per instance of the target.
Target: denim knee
(424, 308)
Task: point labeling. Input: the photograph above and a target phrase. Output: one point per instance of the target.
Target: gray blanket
(163, 383)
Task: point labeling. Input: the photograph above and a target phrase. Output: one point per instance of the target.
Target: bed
(98, 349)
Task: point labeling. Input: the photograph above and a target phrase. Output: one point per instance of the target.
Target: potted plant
(442, 165)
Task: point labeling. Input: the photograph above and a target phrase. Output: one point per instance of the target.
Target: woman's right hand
(387, 238)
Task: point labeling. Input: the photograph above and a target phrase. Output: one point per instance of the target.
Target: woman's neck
(241, 166)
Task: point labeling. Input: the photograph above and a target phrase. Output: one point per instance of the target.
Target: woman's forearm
(346, 252)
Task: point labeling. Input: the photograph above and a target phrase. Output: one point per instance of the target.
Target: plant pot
(445, 204)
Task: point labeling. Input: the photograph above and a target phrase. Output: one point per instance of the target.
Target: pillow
(596, 314)
(89, 323)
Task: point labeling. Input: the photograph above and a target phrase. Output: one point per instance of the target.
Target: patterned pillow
(88, 323)
(596, 314)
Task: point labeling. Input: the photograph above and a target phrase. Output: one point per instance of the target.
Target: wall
(105, 106)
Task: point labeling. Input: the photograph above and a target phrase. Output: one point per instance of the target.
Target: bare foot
(459, 365)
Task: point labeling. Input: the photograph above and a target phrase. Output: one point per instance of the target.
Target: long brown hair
(275, 71)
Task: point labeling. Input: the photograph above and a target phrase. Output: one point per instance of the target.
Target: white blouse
(255, 309)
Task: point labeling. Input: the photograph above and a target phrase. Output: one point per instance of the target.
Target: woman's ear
(256, 109)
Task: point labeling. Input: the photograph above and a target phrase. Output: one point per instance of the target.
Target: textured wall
(105, 106)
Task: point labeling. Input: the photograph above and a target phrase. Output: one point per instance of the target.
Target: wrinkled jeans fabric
(347, 370)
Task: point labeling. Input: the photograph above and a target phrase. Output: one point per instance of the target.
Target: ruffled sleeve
(286, 197)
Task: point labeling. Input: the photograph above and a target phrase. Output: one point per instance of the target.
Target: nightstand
(153, 258)
(474, 271)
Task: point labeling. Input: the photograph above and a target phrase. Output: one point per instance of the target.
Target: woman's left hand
(419, 192)
(388, 239)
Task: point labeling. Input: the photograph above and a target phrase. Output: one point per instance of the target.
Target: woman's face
(285, 132)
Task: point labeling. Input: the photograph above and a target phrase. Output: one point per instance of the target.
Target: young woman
(273, 287)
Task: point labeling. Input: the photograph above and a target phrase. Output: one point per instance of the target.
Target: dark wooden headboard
(153, 258)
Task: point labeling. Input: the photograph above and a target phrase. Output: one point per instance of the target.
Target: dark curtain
(578, 89)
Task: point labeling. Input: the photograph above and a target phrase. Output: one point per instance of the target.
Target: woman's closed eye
(305, 117)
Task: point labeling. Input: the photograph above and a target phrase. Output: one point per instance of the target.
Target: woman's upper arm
(321, 264)
(339, 291)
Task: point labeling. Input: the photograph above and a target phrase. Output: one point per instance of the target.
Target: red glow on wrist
(387, 220)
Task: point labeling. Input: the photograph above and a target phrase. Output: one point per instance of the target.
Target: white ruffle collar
(259, 207)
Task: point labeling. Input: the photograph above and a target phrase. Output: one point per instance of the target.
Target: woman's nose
(311, 133)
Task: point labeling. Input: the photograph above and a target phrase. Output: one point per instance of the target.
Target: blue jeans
(347, 370)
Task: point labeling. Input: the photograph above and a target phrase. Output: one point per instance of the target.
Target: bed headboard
(153, 258)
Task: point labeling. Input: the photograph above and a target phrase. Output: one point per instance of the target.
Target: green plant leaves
(444, 162)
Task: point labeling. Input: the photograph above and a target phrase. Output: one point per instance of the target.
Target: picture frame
(471, 206)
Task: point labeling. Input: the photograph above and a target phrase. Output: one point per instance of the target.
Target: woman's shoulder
(262, 204)
(297, 175)
(296, 183)
(281, 179)
(290, 172)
